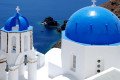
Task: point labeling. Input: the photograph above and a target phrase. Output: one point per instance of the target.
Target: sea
(37, 10)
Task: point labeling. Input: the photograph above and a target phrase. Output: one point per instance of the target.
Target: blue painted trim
(29, 29)
(64, 37)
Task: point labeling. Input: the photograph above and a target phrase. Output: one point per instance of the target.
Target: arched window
(16, 27)
(13, 44)
(25, 43)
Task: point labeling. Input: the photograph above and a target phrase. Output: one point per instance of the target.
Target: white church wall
(109, 74)
(109, 56)
(2, 71)
(54, 70)
(40, 60)
(15, 45)
(87, 57)
(2, 66)
(13, 73)
(3, 41)
(53, 62)
(68, 49)
(12, 56)
(27, 41)
(10, 41)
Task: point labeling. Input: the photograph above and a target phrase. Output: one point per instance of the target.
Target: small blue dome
(12, 22)
(93, 25)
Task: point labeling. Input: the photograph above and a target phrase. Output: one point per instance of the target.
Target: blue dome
(12, 22)
(93, 25)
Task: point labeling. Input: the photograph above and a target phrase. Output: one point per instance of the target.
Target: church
(91, 42)
(90, 46)
(17, 51)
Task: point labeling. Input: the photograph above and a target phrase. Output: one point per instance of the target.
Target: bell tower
(16, 42)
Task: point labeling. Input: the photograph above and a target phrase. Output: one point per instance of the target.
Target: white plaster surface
(2, 71)
(15, 73)
(109, 74)
(86, 58)
(54, 56)
(53, 62)
(42, 73)
(32, 71)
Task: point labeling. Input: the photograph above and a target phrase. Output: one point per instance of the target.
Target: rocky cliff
(114, 6)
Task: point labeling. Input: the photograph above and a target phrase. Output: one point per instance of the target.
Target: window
(73, 62)
(16, 27)
(25, 43)
(13, 44)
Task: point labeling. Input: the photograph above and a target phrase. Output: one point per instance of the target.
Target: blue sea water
(36, 10)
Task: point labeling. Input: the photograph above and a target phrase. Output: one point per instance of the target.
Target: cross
(94, 1)
(18, 9)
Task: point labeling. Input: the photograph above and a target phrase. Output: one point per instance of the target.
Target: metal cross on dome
(94, 1)
(18, 9)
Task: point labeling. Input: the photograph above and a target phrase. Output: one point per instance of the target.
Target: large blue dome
(12, 22)
(94, 25)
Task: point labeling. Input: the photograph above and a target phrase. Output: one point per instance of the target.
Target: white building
(90, 45)
(16, 47)
(91, 42)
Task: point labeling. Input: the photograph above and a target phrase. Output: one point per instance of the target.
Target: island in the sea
(62, 27)
(50, 22)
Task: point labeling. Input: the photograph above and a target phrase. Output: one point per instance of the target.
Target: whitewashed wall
(3, 41)
(2, 71)
(68, 49)
(27, 42)
(10, 37)
(109, 55)
(86, 58)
